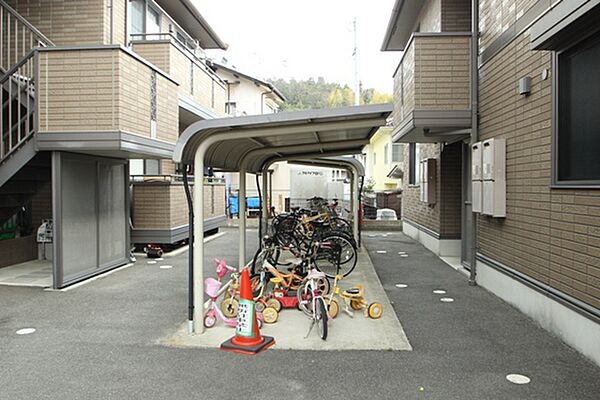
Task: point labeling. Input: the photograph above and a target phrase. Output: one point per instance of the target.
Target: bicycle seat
(354, 292)
(276, 280)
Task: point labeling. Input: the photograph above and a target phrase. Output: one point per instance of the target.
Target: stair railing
(18, 104)
(17, 37)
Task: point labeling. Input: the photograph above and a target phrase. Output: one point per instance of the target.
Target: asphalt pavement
(102, 341)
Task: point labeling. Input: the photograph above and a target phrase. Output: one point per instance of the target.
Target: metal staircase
(21, 170)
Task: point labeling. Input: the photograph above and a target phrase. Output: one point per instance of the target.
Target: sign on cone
(247, 339)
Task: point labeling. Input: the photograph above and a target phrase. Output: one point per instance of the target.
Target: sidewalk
(102, 340)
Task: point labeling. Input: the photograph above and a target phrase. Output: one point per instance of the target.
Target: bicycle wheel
(304, 296)
(336, 256)
(321, 317)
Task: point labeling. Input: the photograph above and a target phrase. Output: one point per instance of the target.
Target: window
(136, 18)
(152, 21)
(577, 138)
(386, 152)
(414, 164)
(397, 152)
(230, 108)
(144, 167)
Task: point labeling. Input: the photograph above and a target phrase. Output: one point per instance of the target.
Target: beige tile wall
(207, 91)
(436, 76)
(65, 22)
(105, 89)
(550, 235)
(441, 68)
(495, 16)
(164, 206)
(456, 15)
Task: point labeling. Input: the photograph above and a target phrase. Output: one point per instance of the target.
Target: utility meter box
(45, 235)
(428, 181)
(477, 177)
(494, 159)
(494, 177)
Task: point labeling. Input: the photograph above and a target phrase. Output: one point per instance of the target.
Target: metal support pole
(265, 202)
(190, 204)
(355, 204)
(198, 266)
(242, 217)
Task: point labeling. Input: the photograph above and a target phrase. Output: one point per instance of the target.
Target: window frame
(556, 183)
(399, 146)
(414, 165)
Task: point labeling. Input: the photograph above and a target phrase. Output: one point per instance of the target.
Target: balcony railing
(433, 74)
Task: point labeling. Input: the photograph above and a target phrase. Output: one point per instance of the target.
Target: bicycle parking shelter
(251, 144)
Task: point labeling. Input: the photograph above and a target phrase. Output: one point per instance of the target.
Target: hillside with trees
(311, 94)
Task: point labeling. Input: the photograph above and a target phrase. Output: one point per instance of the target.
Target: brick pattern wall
(433, 75)
(404, 87)
(207, 91)
(65, 22)
(550, 235)
(412, 208)
(78, 90)
(41, 204)
(15, 251)
(450, 191)
(430, 18)
(107, 89)
(456, 15)
(164, 206)
(119, 22)
(441, 68)
(496, 16)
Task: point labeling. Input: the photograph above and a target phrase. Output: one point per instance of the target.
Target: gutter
(193, 11)
(474, 125)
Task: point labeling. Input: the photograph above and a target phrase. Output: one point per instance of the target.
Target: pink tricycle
(214, 288)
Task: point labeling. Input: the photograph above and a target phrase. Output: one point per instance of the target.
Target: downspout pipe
(190, 205)
(474, 124)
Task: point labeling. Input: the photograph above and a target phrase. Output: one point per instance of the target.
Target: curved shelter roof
(333, 162)
(228, 143)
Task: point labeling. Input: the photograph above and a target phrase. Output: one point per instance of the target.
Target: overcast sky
(302, 39)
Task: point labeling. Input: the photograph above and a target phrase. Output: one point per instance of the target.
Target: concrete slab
(345, 333)
(34, 273)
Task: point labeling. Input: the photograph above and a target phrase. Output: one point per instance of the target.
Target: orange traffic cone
(247, 339)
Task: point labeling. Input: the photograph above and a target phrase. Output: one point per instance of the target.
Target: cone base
(228, 345)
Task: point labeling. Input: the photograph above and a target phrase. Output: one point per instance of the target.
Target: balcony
(432, 89)
(201, 91)
(105, 100)
(159, 208)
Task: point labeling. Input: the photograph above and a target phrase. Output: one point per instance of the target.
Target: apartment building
(91, 91)
(248, 95)
(528, 167)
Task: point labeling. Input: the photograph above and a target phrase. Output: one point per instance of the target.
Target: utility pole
(356, 80)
